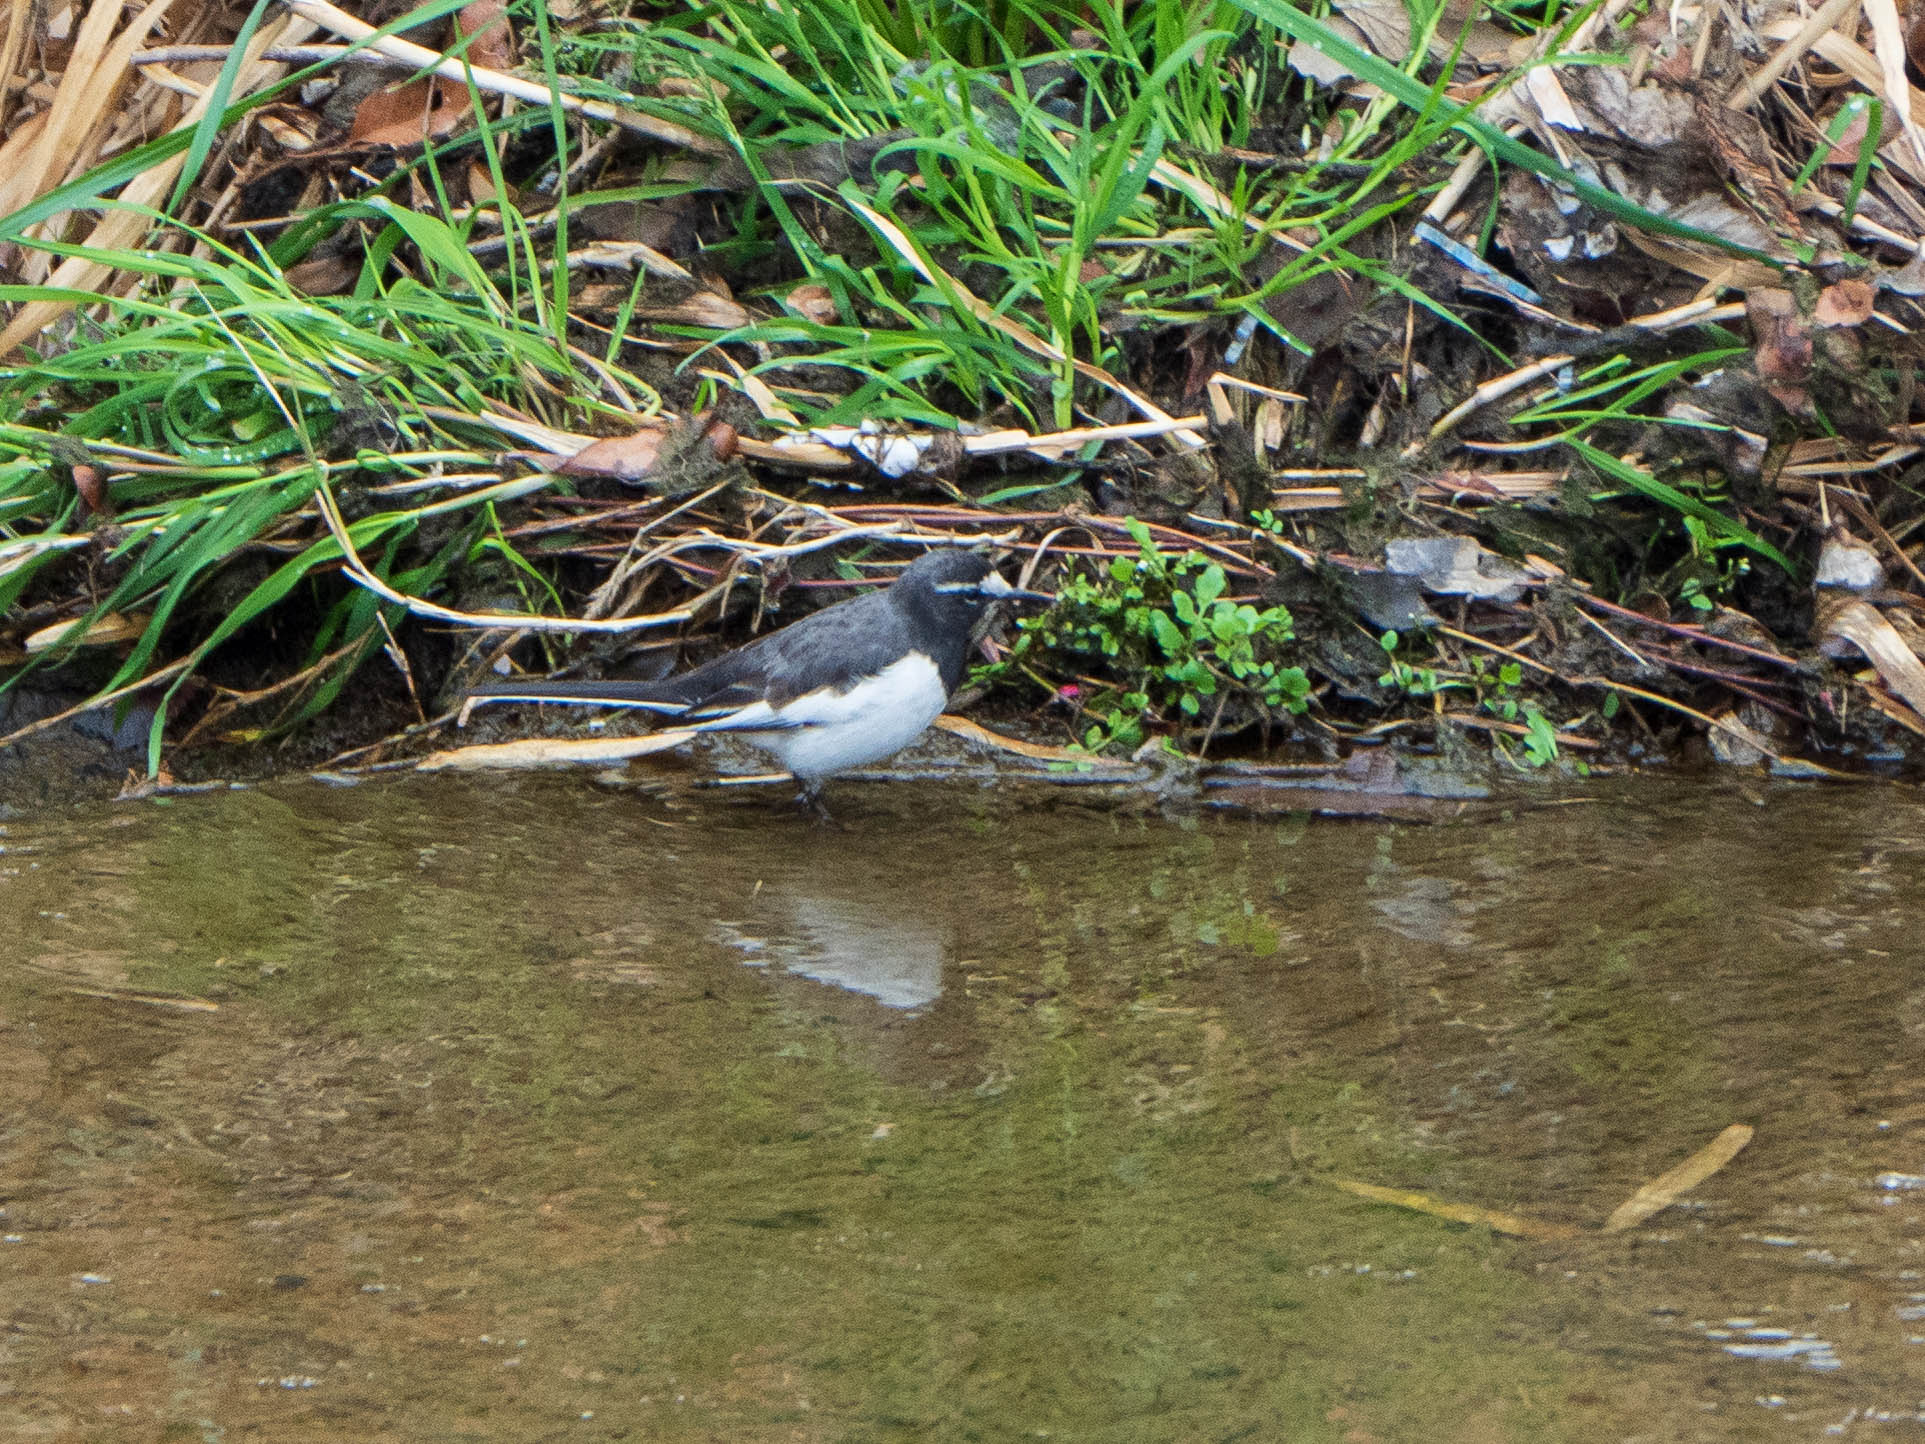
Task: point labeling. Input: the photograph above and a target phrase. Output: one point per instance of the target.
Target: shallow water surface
(441, 1109)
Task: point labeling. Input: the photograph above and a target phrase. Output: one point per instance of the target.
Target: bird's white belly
(840, 730)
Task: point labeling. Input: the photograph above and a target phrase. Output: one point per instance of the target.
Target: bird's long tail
(647, 696)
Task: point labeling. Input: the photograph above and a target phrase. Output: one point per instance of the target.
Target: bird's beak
(996, 589)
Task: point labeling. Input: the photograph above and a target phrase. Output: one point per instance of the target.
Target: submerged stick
(1667, 1188)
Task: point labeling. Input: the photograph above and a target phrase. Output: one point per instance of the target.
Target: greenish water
(529, 1110)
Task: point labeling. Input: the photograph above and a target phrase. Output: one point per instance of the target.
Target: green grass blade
(1416, 96)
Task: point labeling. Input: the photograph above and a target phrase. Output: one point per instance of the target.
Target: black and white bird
(841, 688)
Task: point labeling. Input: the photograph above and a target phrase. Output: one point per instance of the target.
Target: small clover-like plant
(1498, 690)
(1160, 629)
(1540, 738)
(1407, 677)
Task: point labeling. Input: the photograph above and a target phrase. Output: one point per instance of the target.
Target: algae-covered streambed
(442, 1109)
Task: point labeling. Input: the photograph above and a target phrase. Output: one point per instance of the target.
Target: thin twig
(1502, 651)
(1696, 634)
(357, 572)
(1613, 638)
(279, 54)
(1745, 94)
(1742, 733)
(1515, 729)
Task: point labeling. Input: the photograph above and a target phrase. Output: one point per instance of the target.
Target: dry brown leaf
(1383, 28)
(1783, 344)
(703, 308)
(625, 458)
(1649, 115)
(1385, 25)
(798, 451)
(1326, 70)
(1859, 623)
(291, 127)
(766, 403)
(551, 752)
(332, 18)
(430, 106)
(91, 482)
(812, 303)
(1843, 154)
(1896, 710)
(329, 275)
(409, 114)
(630, 255)
(481, 184)
(1857, 62)
(1908, 279)
(1848, 303)
(17, 145)
(493, 45)
(963, 727)
(1734, 273)
(1710, 212)
(105, 631)
(1514, 1224)
(1668, 1187)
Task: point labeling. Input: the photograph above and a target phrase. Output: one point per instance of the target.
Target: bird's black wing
(833, 649)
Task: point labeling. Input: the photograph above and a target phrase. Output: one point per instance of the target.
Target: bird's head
(958, 584)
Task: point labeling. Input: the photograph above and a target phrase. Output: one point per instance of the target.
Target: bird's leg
(810, 799)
